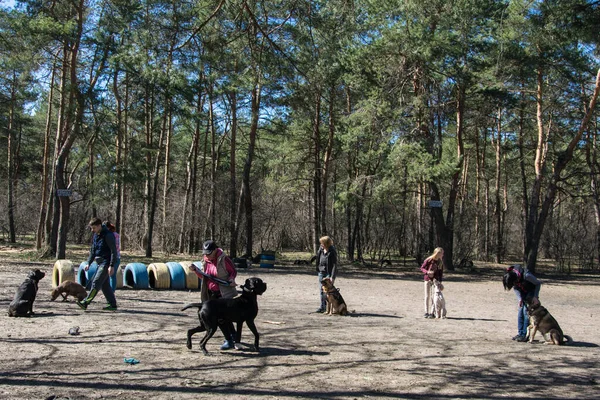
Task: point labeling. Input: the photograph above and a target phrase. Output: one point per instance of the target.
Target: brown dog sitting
(541, 320)
(335, 301)
(68, 288)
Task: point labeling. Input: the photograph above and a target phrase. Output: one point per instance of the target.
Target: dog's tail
(568, 339)
(192, 305)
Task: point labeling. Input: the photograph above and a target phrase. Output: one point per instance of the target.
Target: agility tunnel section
(83, 276)
(191, 279)
(159, 276)
(135, 276)
(177, 275)
(62, 271)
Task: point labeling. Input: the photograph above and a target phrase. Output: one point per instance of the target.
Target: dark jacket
(527, 285)
(104, 246)
(331, 267)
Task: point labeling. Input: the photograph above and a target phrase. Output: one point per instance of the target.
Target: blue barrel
(135, 275)
(84, 278)
(267, 259)
(177, 275)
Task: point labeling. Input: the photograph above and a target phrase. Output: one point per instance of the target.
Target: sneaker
(227, 345)
(82, 304)
(516, 337)
(431, 316)
(110, 308)
(521, 339)
(320, 310)
(427, 315)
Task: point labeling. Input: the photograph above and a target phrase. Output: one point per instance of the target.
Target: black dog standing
(22, 305)
(219, 312)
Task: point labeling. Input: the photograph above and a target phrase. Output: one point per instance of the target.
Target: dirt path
(385, 350)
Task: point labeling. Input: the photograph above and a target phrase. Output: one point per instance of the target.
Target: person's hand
(193, 267)
(110, 270)
(520, 303)
(87, 267)
(430, 273)
(535, 301)
(232, 283)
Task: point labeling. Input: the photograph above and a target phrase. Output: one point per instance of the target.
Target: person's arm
(317, 259)
(332, 264)
(518, 293)
(109, 239)
(91, 257)
(230, 268)
(538, 285)
(425, 266)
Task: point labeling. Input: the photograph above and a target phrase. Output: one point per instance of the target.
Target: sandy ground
(386, 349)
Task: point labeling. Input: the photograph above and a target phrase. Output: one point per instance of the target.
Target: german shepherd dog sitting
(240, 309)
(541, 320)
(335, 301)
(22, 304)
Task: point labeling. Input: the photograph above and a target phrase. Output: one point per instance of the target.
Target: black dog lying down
(22, 304)
(240, 309)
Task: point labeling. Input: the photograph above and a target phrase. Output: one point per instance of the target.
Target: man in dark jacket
(527, 287)
(104, 252)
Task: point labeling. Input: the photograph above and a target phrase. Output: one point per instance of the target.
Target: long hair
(326, 241)
(511, 276)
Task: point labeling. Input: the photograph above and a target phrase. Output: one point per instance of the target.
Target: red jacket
(431, 265)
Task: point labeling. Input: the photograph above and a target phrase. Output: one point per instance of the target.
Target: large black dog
(240, 309)
(22, 305)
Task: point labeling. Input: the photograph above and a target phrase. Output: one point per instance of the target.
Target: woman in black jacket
(326, 264)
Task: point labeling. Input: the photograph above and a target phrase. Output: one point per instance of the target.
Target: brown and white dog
(335, 301)
(541, 320)
(68, 288)
(439, 303)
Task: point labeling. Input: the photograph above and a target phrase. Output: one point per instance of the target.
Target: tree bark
(45, 159)
(537, 218)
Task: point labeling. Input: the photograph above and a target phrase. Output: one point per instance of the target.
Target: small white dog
(439, 304)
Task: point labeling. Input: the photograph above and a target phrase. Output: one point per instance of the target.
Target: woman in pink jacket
(433, 268)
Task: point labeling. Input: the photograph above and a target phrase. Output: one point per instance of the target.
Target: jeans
(322, 293)
(102, 282)
(522, 320)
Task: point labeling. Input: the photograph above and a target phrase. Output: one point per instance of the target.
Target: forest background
(392, 126)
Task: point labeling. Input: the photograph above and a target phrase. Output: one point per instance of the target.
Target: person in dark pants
(217, 264)
(326, 267)
(527, 287)
(104, 252)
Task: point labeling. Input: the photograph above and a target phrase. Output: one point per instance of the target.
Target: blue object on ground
(135, 275)
(85, 278)
(177, 274)
(131, 361)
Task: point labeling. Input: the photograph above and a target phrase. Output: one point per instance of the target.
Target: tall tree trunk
(10, 161)
(45, 160)
(154, 194)
(233, 225)
(53, 213)
(537, 219)
(498, 206)
(191, 164)
(317, 168)
(148, 128)
(166, 186)
(327, 161)
(247, 193)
